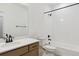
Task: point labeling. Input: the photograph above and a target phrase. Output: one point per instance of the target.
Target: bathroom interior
(39, 29)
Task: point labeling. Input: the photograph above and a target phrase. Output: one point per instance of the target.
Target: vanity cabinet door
(16, 52)
(33, 46)
(34, 52)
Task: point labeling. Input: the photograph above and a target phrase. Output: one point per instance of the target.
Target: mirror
(1, 26)
(14, 19)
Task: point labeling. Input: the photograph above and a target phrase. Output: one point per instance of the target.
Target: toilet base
(49, 48)
(48, 54)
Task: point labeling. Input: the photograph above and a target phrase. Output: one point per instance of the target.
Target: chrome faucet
(8, 38)
(49, 39)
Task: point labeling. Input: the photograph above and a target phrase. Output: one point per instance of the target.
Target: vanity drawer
(33, 46)
(16, 52)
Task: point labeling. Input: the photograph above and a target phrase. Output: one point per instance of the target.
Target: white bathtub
(66, 50)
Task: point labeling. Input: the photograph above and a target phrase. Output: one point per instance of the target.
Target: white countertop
(16, 44)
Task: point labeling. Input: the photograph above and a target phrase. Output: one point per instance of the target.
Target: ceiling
(50, 4)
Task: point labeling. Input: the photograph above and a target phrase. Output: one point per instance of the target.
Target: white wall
(37, 23)
(14, 14)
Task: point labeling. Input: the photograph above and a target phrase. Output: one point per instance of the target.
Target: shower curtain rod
(61, 8)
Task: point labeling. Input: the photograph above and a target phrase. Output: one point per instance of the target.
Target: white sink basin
(12, 44)
(8, 45)
(16, 43)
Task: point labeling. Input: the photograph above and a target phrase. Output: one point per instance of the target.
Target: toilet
(46, 49)
(49, 50)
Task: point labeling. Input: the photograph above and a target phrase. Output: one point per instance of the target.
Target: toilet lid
(49, 47)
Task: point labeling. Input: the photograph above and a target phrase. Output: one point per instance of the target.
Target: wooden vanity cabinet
(33, 50)
(28, 50)
(32, 53)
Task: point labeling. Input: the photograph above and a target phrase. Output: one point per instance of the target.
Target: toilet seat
(49, 48)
